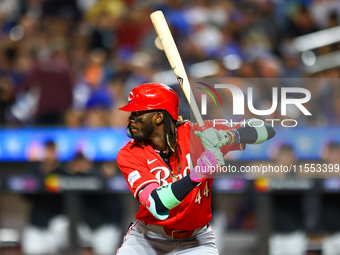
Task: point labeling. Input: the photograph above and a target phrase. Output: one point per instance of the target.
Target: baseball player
(175, 209)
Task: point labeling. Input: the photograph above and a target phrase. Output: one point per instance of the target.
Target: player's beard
(145, 132)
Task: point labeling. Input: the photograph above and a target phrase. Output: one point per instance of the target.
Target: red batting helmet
(153, 96)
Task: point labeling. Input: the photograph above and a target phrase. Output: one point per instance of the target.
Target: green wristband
(262, 133)
(167, 197)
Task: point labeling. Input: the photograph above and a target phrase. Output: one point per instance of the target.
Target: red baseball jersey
(142, 165)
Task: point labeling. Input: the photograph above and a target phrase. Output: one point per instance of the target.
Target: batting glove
(211, 138)
(218, 155)
(206, 165)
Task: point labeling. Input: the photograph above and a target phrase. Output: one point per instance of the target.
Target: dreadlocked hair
(171, 138)
(170, 128)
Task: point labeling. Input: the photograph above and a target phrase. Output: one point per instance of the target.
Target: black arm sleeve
(180, 189)
(251, 135)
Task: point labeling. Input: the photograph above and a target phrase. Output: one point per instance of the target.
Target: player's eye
(138, 114)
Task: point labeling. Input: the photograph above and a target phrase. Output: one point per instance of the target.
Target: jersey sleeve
(135, 170)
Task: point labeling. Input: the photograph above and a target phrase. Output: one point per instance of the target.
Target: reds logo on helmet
(130, 96)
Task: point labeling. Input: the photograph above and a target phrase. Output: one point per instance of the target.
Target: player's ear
(159, 117)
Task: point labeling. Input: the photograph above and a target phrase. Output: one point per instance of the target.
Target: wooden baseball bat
(172, 54)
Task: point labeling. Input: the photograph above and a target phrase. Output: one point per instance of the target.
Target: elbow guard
(159, 200)
(147, 197)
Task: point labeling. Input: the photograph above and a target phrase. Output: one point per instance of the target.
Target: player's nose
(131, 118)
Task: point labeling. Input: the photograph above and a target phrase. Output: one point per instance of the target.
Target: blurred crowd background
(72, 63)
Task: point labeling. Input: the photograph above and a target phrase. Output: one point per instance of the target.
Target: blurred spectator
(38, 236)
(132, 28)
(301, 22)
(118, 118)
(72, 118)
(330, 101)
(109, 169)
(331, 153)
(96, 118)
(91, 94)
(99, 225)
(142, 70)
(285, 156)
(114, 8)
(331, 206)
(9, 10)
(288, 237)
(6, 97)
(291, 62)
(321, 10)
(67, 9)
(52, 80)
(102, 33)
